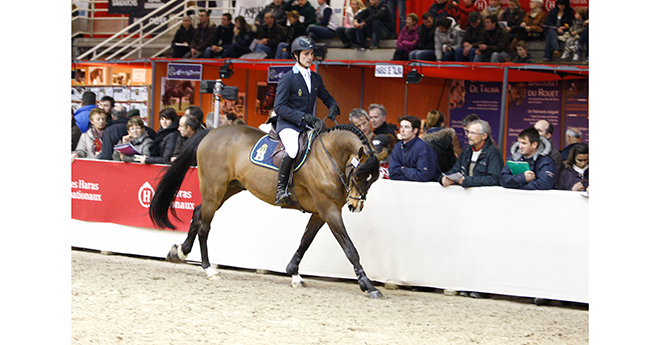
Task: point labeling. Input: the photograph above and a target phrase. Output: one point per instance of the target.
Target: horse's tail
(171, 182)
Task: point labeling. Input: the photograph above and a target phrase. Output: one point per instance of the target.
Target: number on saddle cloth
(268, 151)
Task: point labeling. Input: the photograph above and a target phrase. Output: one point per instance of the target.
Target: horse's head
(362, 176)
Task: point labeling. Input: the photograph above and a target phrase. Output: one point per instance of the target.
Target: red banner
(117, 192)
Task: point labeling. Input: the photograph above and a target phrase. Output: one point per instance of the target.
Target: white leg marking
(297, 281)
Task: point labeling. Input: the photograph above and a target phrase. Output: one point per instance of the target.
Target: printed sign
(276, 72)
(473, 97)
(180, 71)
(392, 71)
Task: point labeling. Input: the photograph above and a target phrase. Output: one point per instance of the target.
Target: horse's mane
(371, 166)
(352, 128)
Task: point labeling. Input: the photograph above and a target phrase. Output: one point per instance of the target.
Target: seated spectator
(572, 137)
(82, 114)
(558, 21)
(166, 138)
(575, 175)
(203, 37)
(295, 29)
(442, 140)
(375, 22)
(276, 8)
(224, 35)
(408, 38)
(546, 129)
(480, 163)
(572, 36)
(521, 53)
(244, 34)
(305, 10)
(425, 49)
(183, 38)
(460, 12)
(448, 38)
(139, 138)
(439, 9)
(188, 126)
(114, 132)
(531, 28)
(354, 8)
(326, 22)
(535, 150)
(360, 119)
(412, 159)
(513, 16)
(495, 45)
(89, 144)
(493, 8)
(269, 35)
(473, 34)
(378, 118)
(75, 132)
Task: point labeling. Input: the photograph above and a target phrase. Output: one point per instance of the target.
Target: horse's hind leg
(315, 223)
(179, 253)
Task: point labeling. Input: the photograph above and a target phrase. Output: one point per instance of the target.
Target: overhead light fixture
(225, 71)
(413, 77)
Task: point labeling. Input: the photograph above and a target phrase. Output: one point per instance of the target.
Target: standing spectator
(572, 36)
(90, 142)
(203, 37)
(441, 140)
(495, 46)
(531, 28)
(326, 22)
(378, 118)
(277, 9)
(425, 49)
(513, 16)
(269, 35)
(473, 34)
(480, 163)
(412, 158)
(188, 126)
(166, 138)
(82, 114)
(575, 176)
(573, 136)
(375, 22)
(244, 34)
(439, 9)
(195, 111)
(546, 129)
(493, 8)
(305, 10)
(558, 21)
(448, 38)
(224, 35)
(139, 138)
(461, 12)
(535, 150)
(521, 53)
(393, 5)
(360, 119)
(107, 103)
(408, 37)
(114, 132)
(183, 38)
(294, 30)
(75, 132)
(355, 7)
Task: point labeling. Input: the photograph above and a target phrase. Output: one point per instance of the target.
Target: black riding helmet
(301, 43)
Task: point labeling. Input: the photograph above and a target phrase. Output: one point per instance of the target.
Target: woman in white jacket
(448, 38)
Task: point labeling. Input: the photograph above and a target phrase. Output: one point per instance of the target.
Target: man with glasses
(480, 163)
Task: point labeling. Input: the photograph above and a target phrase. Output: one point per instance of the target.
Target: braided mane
(352, 128)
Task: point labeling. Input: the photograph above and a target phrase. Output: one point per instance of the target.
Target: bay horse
(322, 185)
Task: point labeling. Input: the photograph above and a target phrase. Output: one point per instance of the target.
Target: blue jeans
(459, 54)
(401, 5)
(317, 32)
(281, 54)
(343, 35)
(265, 49)
(422, 54)
(208, 53)
(551, 43)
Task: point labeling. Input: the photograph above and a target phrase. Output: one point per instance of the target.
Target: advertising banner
(473, 97)
(182, 71)
(120, 193)
(577, 107)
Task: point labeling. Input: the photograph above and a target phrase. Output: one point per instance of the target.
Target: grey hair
(380, 107)
(573, 132)
(118, 112)
(357, 113)
(485, 127)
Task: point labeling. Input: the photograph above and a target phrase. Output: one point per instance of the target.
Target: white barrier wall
(489, 239)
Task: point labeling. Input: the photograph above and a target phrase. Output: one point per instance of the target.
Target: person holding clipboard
(533, 150)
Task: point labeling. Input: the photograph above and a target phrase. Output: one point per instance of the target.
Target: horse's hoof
(214, 277)
(375, 294)
(211, 273)
(176, 255)
(297, 282)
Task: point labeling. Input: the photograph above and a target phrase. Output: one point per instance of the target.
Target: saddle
(268, 151)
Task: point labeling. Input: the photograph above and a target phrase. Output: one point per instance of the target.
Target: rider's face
(306, 58)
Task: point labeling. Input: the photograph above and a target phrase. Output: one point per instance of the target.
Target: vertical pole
(405, 100)
(362, 91)
(505, 82)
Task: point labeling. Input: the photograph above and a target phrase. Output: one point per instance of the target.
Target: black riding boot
(283, 181)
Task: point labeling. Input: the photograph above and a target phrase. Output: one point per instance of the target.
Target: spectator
(384, 142)
(535, 150)
(460, 12)
(75, 132)
(531, 28)
(139, 138)
(360, 119)
(408, 38)
(480, 163)
(276, 8)
(188, 126)
(107, 103)
(448, 38)
(224, 35)
(244, 34)
(583, 41)
(575, 175)
(467, 120)
(393, 5)
(521, 53)
(412, 159)
(493, 8)
(269, 35)
(439, 9)
(183, 38)
(378, 118)
(294, 30)
(305, 10)
(136, 113)
(513, 16)
(82, 114)
(495, 45)
(114, 132)
(426, 44)
(203, 37)
(558, 21)
(473, 34)
(441, 140)
(326, 22)
(166, 138)
(375, 22)
(546, 129)
(90, 142)
(197, 112)
(573, 136)
(355, 7)
(572, 36)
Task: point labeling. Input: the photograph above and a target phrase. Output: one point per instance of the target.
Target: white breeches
(289, 138)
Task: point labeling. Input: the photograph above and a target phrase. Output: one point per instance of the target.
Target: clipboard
(518, 167)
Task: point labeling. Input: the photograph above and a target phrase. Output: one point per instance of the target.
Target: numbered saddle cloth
(268, 151)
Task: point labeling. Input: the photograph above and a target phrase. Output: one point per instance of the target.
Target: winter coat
(499, 11)
(325, 17)
(497, 40)
(414, 161)
(142, 144)
(568, 177)
(184, 36)
(307, 12)
(486, 171)
(441, 141)
(474, 35)
(163, 146)
(426, 37)
(203, 36)
(513, 18)
(382, 13)
(278, 12)
(540, 163)
(86, 147)
(566, 19)
(407, 39)
(453, 38)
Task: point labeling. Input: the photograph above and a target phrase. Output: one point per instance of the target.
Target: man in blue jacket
(82, 114)
(412, 158)
(535, 150)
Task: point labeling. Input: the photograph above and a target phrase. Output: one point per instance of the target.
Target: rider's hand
(313, 121)
(333, 112)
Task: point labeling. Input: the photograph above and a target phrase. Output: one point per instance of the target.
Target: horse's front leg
(315, 223)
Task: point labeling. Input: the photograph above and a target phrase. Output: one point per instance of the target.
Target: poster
(577, 107)
(177, 94)
(265, 97)
(97, 76)
(473, 97)
(529, 102)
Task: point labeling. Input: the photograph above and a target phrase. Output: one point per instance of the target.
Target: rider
(296, 96)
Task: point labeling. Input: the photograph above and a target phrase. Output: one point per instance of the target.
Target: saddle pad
(265, 149)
